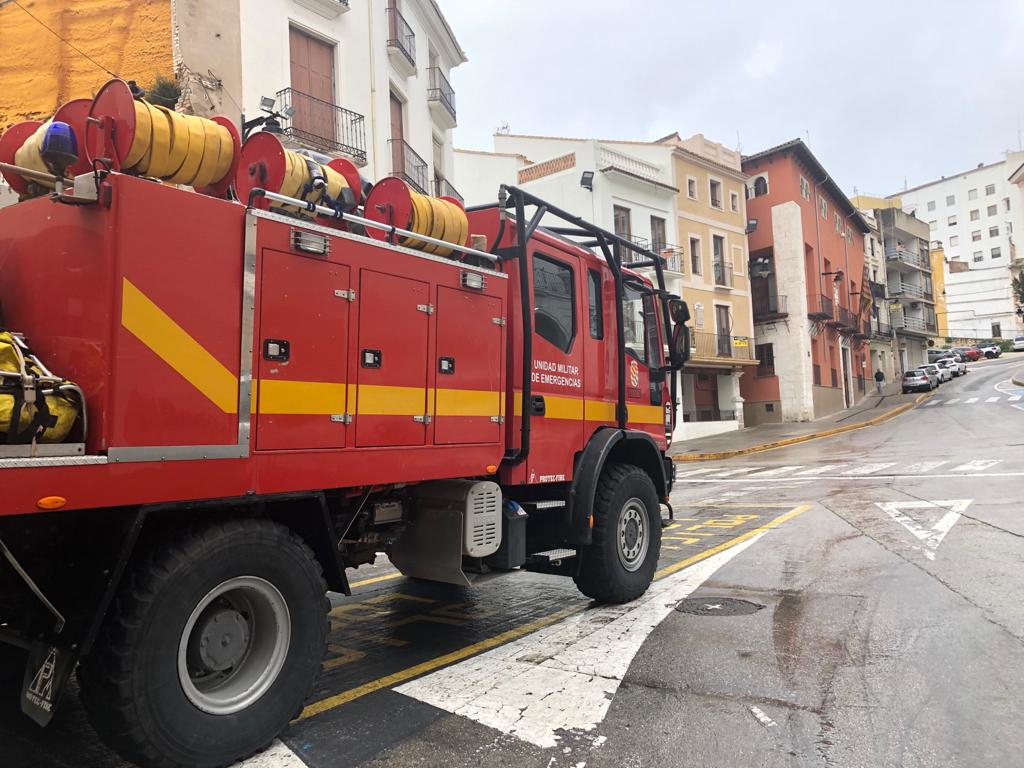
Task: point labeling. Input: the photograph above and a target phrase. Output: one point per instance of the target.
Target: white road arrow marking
(1014, 398)
(562, 677)
(941, 516)
(977, 465)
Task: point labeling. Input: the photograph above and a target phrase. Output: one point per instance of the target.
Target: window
(698, 315)
(838, 222)
(993, 231)
(997, 252)
(972, 194)
(933, 224)
(1006, 204)
(760, 186)
(931, 205)
(691, 187)
(824, 207)
(992, 209)
(695, 267)
(657, 234)
(623, 228)
(954, 241)
(805, 189)
(990, 189)
(951, 221)
(979, 255)
(950, 200)
(765, 354)
(554, 299)
(634, 323)
(595, 297)
(734, 202)
(715, 193)
(975, 214)
(975, 235)
(997, 330)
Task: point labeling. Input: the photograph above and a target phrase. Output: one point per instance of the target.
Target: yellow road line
(339, 699)
(376, 579)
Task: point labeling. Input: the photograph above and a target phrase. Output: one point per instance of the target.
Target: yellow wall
(938, 259)
(131, 38)
(869, 203)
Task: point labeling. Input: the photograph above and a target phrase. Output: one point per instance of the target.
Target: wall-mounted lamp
(587, 180)
(751, 226)
(760, 267)
(838, 276)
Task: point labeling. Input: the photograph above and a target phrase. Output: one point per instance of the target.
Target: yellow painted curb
(803, 438)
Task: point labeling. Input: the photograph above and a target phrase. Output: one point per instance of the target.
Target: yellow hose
(297, 175)
(29, 154)
(439, 219)
(180, 149)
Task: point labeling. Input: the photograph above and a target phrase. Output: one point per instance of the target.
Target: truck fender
(625, 446)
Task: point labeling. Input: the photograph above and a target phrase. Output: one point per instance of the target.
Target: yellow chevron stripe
(172, 344)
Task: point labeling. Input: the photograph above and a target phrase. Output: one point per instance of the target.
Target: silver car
(917, 381)
(955, 366)
(942, 374)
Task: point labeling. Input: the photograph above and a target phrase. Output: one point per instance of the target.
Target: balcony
(880, 330)
(903, 289)
(723, 273)
(902, 256)
(820, 307)
(401, 42)
(322, 126)
(673, 256)
(441, 98)
(721, 346)
(913, 325)
(627, 256)
(408, 166)
(768, 308)
(846, 319)
(444, 188)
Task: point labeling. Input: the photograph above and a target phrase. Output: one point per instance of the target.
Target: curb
(687, 457)
(1019, 382)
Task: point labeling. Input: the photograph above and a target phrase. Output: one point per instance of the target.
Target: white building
(977, 217)
(369, 80)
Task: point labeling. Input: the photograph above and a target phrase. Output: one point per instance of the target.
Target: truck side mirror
(679, 310)
(680, 313)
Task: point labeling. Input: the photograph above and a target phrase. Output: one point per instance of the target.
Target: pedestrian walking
(879, 380)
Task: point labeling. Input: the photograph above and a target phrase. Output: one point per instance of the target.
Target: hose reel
(393, 202)
(21, 144)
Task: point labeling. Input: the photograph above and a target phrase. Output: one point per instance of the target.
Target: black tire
(130, 682)
(602, 574)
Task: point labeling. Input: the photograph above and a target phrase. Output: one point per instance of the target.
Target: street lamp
(838, 276)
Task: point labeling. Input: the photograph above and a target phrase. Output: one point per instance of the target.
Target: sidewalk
(873, 409)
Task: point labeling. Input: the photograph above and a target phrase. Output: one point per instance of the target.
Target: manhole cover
(717, 606)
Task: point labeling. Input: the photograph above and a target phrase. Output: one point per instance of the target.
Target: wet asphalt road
(881, 571)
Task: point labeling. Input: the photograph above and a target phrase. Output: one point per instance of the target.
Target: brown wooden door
(397, 136)
(312, 70)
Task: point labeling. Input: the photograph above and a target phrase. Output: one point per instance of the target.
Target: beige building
(711, 228)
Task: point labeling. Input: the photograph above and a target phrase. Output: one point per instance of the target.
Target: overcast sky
(884, 91)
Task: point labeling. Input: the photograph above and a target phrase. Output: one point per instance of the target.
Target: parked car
(971, 353)
(1018, 343)
(917, 381)
(955, 366)
(941, 374)
(934, 354)
(990, 350)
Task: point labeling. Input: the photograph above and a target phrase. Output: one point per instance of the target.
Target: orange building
(806, 243)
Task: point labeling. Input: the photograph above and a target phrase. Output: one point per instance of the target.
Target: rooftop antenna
(503, 128)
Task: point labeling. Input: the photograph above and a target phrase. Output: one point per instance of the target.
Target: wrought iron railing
(323, 125)
(821, 306)
(441, 90)
(846, 319)
(400, 35)
(626, 255)
(408, 166)
(723, 273)
(769, 308)
(708, 345)
(881, 330)
(444, 188)
(675, 260)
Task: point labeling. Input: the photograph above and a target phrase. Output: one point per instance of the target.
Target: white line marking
(762, 718)
(819, 470)
(971, 400)
(932, 402)
(692, 472)
(1014, 398)
(924, 466)
(931, 536)
(978, 465)
(868, 469)
(739, 471)
(992, 400)
(954, 400)
(277, 755)
(561, 677)
(777, 471)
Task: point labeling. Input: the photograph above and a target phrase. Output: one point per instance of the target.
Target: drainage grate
(717, 606)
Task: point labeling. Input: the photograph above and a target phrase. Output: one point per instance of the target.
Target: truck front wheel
(211, 647)
(619, 564)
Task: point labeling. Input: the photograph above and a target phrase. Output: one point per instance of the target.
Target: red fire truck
(271, 399)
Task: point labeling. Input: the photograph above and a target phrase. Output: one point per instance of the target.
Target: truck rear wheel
(619, 564)
(211, 647)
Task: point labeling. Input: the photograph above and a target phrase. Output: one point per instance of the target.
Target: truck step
(551, 556)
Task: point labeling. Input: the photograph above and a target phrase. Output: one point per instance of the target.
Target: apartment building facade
(976, 218)
(683, 199)
(882, 344)
(808, 279)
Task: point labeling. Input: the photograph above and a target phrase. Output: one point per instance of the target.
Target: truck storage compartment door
(394, 323)
(468, 400)
(303, 343)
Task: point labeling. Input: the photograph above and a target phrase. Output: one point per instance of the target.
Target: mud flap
(431, 547)
(46, 677)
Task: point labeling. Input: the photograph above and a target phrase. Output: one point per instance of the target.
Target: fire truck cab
(271, 399)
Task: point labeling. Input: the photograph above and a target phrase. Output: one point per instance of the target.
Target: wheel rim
(234, 645)
(633, 535)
